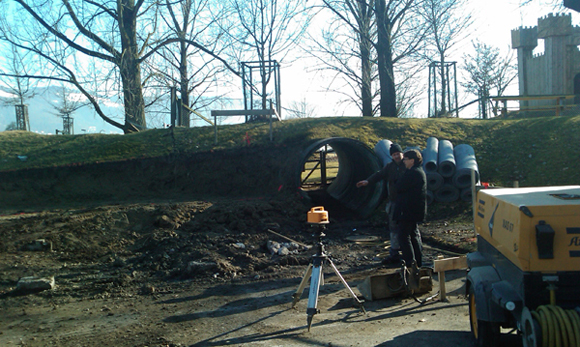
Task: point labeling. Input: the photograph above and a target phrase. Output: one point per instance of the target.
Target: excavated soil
(175, 268)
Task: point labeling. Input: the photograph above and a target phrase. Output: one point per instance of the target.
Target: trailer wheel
(486, 333)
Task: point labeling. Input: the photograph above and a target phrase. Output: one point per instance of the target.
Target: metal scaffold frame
(449, 70)
(250, 89)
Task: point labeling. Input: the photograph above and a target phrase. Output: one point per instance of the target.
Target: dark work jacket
(411, 202)
(391, 173)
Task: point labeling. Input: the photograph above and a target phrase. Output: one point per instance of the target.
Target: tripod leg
(360, 303)
(313, 293)
(309, 321)
(302, 285)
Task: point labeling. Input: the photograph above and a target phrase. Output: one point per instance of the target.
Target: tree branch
(63, 37)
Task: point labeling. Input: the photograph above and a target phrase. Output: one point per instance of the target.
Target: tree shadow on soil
(293, 335)
(230, 289)
(234, 307)
(253, 303)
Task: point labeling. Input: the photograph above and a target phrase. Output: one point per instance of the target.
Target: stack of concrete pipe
(382, 150)
(448, 169)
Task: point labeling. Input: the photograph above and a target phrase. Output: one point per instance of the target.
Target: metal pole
(456, 97)
(271, 114)
(429, 95)
(278, 91)
(448, 85)
(244, 85)
(434, 89)
(251, 93)
(323, 167)
(215, 127)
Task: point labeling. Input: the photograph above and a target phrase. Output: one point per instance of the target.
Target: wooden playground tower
(22, 121)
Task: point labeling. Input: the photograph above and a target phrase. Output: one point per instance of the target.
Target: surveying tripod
(314, 273)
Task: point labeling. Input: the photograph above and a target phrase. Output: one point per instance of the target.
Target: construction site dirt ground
(204, 273)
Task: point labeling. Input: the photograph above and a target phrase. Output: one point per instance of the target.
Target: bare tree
(107, 31)
(400, 35)
(265, 31)
(447, 21)
(354, 26)
(53, 57)
(117, 33)
(409, 88)
(300, 109)
(488, 71)
(189, 68)
(66, 106)
(387, 35)
(19, 63)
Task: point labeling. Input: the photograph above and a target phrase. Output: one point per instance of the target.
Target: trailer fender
(505, 296)
(481, 279)
(476, 259)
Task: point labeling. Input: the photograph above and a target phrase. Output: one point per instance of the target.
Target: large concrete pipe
(466, 194)
(383, 151)
(465, 164)
(356, 162)
(447, 193)
(446, 159)
(434, 180)
(430, 155)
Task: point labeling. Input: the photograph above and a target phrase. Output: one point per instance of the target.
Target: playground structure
(255, 90)
(266, 70)
(445, 75)
(551, 78)
(22, 121)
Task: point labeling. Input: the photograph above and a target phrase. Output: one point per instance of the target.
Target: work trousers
(410, 241)
(393, 230)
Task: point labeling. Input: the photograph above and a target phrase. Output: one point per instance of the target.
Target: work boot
(392, 259)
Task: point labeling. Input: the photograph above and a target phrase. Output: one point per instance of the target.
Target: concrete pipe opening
(329, 171)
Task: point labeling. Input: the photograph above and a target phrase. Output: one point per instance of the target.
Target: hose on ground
(405, 273)
(560, 328)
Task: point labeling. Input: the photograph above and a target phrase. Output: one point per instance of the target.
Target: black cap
(395, 148)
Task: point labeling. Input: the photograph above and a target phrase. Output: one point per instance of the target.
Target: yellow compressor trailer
(526, 271)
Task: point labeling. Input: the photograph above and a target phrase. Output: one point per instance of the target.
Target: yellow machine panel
(537, 229)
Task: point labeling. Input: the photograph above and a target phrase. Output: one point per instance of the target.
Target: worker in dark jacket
(411, 207)
(391, 173)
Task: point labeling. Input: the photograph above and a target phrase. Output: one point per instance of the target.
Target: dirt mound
(117, 232)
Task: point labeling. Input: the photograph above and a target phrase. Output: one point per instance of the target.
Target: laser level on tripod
(318, 217)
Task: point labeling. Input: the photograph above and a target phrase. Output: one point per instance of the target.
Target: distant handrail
(557, 107)
(533, 97)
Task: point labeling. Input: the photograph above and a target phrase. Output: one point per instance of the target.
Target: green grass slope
(534, 151)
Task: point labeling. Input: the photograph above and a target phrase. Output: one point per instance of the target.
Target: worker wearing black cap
(391, 173)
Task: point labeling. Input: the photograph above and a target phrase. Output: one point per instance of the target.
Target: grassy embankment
(535, 151)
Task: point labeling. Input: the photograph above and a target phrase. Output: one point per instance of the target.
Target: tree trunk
(388, 101)
(366, 66)
(184, 86)
(130, 68)
(264, 85)
(366, 89)
(443, 86)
